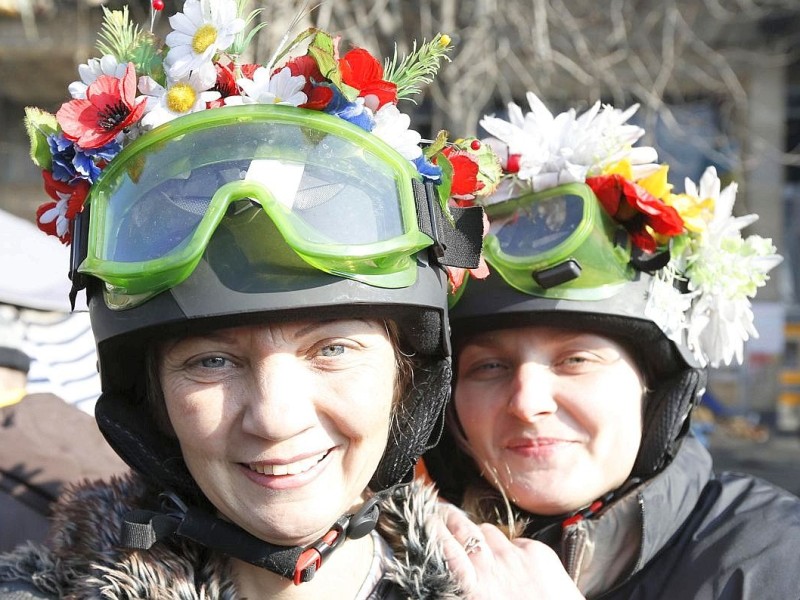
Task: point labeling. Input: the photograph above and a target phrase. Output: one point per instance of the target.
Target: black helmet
(602, 246)
(248, 270)
(286, 193)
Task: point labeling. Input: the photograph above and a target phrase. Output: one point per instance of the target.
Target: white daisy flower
(566, 148)
(725, 270)
(91, 70)
(666, 305)
(204, 28)
(181, 98)
(266, 88)
(392, 127)
(58, 213)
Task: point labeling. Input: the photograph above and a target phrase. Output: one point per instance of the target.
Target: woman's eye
(213, 362)
(574, 360)
(332, 350)
(578, 362)
(485, 369)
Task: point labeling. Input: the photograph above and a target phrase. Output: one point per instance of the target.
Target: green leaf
(294, 43)
(39, 124)
(148, 61)
(245, 36)
(445, 187)
(322, 48)
(437, 145)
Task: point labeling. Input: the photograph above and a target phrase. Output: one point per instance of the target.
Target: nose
(281, 403)
(533, 394)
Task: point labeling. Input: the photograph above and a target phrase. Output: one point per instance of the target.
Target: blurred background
(718, 82)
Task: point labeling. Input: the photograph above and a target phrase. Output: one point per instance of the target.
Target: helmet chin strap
(144, 528)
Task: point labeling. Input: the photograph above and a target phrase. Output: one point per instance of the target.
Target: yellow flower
(695, 212)
(657, 183)
(622, 168)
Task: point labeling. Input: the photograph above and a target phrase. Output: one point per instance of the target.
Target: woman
(578, 362)
(267, 289)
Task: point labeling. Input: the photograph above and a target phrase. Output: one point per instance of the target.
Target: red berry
(158, 5)
(512, 164)
(475, 145)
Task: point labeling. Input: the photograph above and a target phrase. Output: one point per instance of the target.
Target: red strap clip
(311, 558)
(585, 513)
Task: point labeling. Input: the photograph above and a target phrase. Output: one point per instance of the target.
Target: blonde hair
(485, 500)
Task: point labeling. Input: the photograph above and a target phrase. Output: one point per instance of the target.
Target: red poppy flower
(465, 173)
(636, 208)
(362, 71)
(249, 69)
(110, 106)
(307, 67)
(318, 96)
(226, 81)
(54, 218)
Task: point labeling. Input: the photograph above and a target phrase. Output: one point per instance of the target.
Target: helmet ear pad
(666, 419)
(417, 423)
(134, 434)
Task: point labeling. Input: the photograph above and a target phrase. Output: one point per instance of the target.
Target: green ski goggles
(558, 243)
(343, 200)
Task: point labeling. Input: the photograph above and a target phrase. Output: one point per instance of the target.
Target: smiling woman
(509, 381)
(579, 360)
(282, 426)
(267, 286)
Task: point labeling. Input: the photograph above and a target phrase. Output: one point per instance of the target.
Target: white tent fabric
(34, 267)
(33, 279)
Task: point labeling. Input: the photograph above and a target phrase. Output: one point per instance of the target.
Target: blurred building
(717, 86)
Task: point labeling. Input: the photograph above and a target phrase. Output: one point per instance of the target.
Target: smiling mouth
(295, 468)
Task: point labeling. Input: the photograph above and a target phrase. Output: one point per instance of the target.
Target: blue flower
(353, 112)
(427, 169)
(71, 162)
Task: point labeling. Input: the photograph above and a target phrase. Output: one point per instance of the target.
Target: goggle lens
(340, 197)
(558, 244)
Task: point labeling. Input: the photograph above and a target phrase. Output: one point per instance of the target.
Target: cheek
(622, 414)
(477, 416)
(366, 403)
(196, 415)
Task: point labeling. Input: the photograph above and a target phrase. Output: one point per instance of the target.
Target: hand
(489, 565)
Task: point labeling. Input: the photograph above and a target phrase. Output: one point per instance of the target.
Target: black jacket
(688, 534)
(45, 443)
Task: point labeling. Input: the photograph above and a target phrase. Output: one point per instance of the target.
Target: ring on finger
(473, 544)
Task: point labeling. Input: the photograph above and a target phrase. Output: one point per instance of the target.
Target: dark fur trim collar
(82, 560)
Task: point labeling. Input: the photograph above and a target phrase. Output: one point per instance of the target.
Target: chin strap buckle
(312, 557)
(349, 526)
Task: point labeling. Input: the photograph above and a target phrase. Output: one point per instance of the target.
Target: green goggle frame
(344, 201)
(558, 243)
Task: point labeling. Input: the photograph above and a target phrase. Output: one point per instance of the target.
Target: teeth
(294, 468)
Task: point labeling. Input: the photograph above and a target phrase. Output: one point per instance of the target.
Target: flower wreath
(703, 294)
(138, 84)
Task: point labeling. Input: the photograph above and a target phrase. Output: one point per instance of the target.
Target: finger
(458, 561)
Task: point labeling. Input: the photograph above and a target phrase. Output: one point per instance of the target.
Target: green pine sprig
(417, 68)
(118, 35)
(125, 41)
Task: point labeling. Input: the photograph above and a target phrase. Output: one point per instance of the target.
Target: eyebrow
(318, 324)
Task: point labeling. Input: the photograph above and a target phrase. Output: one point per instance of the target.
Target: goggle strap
(78, 252)
(457, 237)
(650, 263)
